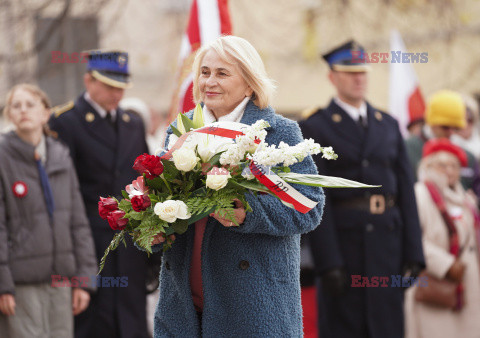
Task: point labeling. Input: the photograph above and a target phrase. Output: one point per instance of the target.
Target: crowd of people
(418, 231)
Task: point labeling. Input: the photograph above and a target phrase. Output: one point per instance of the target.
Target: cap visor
(353, 68)
(118, 81)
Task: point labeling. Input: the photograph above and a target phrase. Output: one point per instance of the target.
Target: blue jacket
(250, 273)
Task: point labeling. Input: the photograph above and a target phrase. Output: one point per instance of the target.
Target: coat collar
(251, 115)
(56, 156)
(95, 124)
(344, 125)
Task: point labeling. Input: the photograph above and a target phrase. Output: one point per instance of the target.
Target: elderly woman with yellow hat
(450, 229)
(444, 115)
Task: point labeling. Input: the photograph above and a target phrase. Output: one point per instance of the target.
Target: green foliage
(157, 183)
(175, 131)
(170, 172)
(120, 236)
(125, 205)
(180, 226)
(187, 123)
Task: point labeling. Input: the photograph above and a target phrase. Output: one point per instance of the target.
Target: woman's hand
(160, 238)
(80, 300)
(7, 304)
(240, 215)
(456, 271)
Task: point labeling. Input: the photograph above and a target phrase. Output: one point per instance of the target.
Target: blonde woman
(44, 233)
(220, 280)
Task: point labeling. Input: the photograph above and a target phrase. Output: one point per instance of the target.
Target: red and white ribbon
(269, 179)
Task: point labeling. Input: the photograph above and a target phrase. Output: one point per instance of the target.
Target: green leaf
(200, 192)
(198, 217)
(187, 123)
(323, 181)
(175, 131)
(198, 120)
(124, 194)
(135, 215)
(252, 185)
(169, 170)
(215, 160)
(180, 226)
(125, 205)
(120, 236)
(157, 184)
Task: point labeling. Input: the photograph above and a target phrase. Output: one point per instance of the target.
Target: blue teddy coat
(250, 273)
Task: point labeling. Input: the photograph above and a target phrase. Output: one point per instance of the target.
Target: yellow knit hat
(446, 108)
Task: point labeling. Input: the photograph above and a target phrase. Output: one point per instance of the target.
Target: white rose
(217, 178)
(185, 159)
(170, 210)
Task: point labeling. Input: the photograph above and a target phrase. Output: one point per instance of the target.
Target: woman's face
(450, 168)
(222, 86)
(27, 112)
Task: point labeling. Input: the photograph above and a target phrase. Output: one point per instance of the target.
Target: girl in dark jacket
(46, 247)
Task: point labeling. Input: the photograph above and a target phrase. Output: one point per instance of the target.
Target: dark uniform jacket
(103, 156)
(350, 235)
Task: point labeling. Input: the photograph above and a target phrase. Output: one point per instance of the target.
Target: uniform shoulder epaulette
(60, 109)
(305, 114)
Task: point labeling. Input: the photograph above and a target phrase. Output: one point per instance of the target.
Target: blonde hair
(237, 51)
(32, 89)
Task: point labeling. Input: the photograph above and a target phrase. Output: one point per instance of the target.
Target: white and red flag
(208, 20)
(406, 102)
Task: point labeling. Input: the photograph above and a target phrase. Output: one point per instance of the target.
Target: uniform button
(369, 227)
(391, 227)
(365, 163)
(244, 265)
(167, 265)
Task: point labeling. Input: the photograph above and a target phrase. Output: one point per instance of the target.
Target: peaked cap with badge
(367, 232)
(349, 57)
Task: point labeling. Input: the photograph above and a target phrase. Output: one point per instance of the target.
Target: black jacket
(365, 244)
(103, 157)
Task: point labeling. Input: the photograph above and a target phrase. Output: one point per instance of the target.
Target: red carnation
(150, 165)
(106, 206)
(116, 220)
(140, 203)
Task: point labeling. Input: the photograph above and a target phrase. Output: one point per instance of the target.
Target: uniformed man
(365, 234)
(104, 142)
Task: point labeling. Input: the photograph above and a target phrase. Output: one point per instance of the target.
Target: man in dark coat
(365, 234)
(104, 142)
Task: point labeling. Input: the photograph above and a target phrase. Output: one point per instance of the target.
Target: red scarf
(452, 234)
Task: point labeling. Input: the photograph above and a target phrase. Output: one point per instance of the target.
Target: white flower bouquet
(204, 171)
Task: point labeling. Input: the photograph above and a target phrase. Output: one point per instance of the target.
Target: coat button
(369, 227)
(365, 163)
(167, 265)
(391, 227)
(244, 265)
